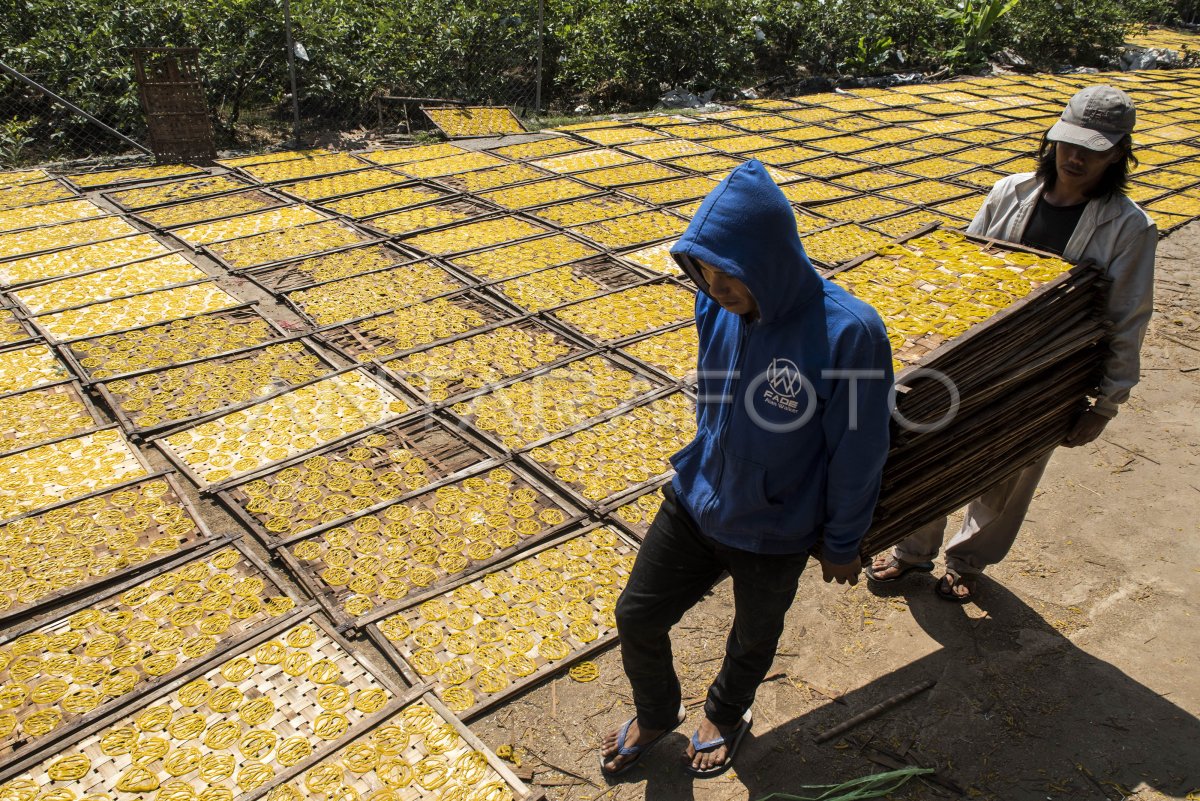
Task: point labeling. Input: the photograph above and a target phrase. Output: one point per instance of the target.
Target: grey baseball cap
(1097, 118)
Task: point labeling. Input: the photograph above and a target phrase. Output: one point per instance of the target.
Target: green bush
(623, 52)
(80, 49)
(828, 36)
(1079, 32)
(610, 53)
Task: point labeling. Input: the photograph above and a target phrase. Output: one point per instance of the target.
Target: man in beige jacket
(1074, 205)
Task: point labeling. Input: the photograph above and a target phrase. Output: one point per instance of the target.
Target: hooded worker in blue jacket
(794, 387)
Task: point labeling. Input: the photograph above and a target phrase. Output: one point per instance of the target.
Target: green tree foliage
(1079, 32)
(629, 50)
(611, 53)
(972, 22)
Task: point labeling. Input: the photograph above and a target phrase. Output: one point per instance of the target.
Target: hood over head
(746, 228)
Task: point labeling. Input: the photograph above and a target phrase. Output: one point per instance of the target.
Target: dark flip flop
(905, 568)
(717, 770)
(635, 751)
(945, 587)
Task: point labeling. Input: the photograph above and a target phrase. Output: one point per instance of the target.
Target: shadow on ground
(1011, 690)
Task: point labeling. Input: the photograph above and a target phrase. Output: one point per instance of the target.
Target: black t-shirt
(1051, 226)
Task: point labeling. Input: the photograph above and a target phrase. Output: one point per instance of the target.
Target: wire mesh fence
(35, 129)
(352, 83)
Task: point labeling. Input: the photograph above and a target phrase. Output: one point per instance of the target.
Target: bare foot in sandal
(713, 747)
(632, 739)
(888, 567)
(956, 587)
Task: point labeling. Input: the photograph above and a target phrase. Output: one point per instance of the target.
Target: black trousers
(675, 567)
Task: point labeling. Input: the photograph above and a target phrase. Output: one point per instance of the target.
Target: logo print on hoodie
(785, 382)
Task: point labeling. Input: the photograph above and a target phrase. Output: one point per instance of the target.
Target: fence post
(12, 73)
(291, 54)
(541, 35)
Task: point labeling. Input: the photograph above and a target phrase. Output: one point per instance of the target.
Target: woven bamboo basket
(633, 230)
(134, 311)
(537, 193)
(495, 263)
(13, 330)
(553, 400)
(379, 201)
(329, 266)
(555, 286)
(468, 121)
(151, 401)
(393, 334)
(489, 178)
(82, 259)
(330, 187)
(672, 352)
(471, 361)
(288, 244)
(39, 476)
(28, 366)
(474, 235)
(621, 454)
(538, 148)
(415, 220)
(627, 313)
(103, 179)
(111, 283)
(171, 192)
(589, 209)
(231, 227)
(45, 239)
(206, 209)
(464, 164)
(34, 192)
(311, 166)
(347, 299)
(635, 512)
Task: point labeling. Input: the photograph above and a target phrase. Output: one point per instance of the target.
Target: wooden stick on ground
(875, 711)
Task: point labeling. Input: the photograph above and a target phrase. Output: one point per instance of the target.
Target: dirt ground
(1074, 676)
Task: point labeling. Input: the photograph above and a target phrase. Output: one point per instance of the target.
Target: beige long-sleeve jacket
(1116, 234)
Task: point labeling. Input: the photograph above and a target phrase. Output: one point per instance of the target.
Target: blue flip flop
(635, 751)
(698, 746)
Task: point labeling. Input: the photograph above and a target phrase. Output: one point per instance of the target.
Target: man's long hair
(1115, 180)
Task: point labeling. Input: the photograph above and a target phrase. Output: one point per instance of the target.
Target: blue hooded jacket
(786, 453)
